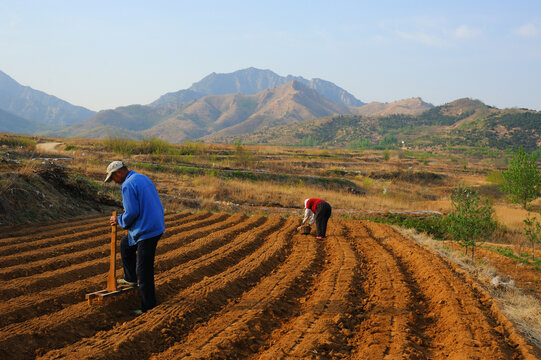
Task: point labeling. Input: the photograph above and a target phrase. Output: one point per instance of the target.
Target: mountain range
(251, 81)
(222, 105)
(41, 112)
(37, 107)
(260, 107)
(214, 117)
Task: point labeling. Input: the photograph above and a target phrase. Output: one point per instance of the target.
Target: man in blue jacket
(144, 220)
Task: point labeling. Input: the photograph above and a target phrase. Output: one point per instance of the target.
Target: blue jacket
(143, 210)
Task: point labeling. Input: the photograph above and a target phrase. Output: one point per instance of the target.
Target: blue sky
(104, 54)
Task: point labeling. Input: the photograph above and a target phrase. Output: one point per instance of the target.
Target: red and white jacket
(310, 206)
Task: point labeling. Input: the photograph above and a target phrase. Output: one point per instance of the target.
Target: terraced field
(232, 286)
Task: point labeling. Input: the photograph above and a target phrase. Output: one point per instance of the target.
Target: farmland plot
(232, 286)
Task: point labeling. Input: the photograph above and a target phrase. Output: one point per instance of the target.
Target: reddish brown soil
(525, 276)
(231, 286)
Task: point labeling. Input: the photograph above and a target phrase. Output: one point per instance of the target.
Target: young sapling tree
(522, 180)
(471, 219)
(532, 230)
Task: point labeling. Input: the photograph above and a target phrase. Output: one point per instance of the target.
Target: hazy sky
(104, 54)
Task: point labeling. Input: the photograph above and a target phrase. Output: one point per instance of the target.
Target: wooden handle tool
(111, 280)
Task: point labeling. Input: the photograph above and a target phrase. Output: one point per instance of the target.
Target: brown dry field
(232, 286)
(236, 286)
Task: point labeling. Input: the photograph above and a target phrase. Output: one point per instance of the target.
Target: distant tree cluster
(309, 141)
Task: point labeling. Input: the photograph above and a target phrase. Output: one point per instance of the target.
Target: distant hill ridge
(413, 106)
(251, 81)
(15, 124)
(463, 122)
(294, 112)
(37, 106)
(224, 115)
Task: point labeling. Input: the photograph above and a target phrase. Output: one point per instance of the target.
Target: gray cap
(114, 166)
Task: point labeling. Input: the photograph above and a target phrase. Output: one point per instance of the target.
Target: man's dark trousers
(138, 263)
(323, 213)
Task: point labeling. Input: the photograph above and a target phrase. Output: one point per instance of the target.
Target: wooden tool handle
(111, 280)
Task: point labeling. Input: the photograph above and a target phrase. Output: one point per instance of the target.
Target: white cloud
(466, 32)
(527, 30)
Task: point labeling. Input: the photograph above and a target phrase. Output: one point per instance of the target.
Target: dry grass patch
(211, 189)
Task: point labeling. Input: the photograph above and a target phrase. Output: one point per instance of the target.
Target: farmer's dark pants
(323, 213)
(138, 263)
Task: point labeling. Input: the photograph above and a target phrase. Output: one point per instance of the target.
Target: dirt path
(50, 147)
(232, 286)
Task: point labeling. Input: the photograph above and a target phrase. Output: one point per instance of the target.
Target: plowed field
(232, 286)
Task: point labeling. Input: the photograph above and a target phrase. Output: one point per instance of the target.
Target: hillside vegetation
(463, 122)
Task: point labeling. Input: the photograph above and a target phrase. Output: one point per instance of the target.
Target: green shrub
(388, 141)
(309, 141)
(15, 141)
(337, 172)
(155, 146)
(243, 156)
(360, 144)
(121, 146)
(495, 177)
(148, 145)
(434, 225)
(191, 148)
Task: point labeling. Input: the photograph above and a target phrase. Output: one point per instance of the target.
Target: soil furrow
(392, 324)
(460, 328)
(238, 329)
(165, 324)
(80, 320)
(54, 247)
(74, 226)
(17, 249)
(318, 331)
(25, 307)
(76, 272)
(63, 256)
(234, 287)
(46, 227)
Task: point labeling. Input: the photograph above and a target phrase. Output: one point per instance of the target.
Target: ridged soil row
(33, 233)
(240, 328)
(320, 330)
(490, 308)
(86, 269)
(161, 327)
(169, 255)
(66, 244)
(47, 242)
(392, 323)
(60, 226)
(62, 256)
(461, 325)
(67, 326)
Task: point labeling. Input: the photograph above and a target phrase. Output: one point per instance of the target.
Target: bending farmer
(143, 218)
(319, 211)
